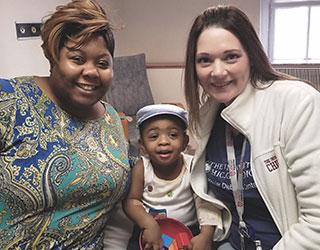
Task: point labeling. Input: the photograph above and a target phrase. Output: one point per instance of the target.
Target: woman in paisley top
(63, 160)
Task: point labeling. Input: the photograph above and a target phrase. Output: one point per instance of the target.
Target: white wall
(160, 28)
(157, 28)
(166, 85)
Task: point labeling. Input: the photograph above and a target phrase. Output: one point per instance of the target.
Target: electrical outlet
(28, 30)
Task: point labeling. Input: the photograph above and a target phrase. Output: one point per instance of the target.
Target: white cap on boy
(153, 110)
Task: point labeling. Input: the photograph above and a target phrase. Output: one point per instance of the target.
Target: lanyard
(236, 178)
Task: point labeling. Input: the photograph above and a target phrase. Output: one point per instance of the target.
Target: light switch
(28, 30)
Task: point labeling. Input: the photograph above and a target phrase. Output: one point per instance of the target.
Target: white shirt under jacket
(282, 124)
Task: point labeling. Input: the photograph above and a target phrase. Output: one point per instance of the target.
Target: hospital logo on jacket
(271, 163)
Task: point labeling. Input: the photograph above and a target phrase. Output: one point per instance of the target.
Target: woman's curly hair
(76, 21)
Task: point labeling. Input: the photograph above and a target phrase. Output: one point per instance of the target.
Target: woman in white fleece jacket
(257, 163)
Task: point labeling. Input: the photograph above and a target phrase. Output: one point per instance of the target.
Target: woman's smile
(221, 84)
(87, 87)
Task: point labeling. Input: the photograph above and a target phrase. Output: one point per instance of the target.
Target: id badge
(258, 244)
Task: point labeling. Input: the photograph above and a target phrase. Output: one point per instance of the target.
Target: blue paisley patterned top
(59, 176)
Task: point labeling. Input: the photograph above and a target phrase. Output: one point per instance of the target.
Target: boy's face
(163, 139)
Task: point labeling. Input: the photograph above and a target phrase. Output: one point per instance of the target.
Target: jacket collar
(241, 111)
(239, 114)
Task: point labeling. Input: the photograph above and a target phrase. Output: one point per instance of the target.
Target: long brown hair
(236, 22)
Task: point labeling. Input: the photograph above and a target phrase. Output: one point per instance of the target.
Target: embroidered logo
(271, 163)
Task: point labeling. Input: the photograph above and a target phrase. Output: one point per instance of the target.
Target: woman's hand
(202, 241)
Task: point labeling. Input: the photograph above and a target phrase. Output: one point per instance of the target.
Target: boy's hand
(151, 237)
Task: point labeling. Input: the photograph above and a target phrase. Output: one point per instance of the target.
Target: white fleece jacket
(282, 124)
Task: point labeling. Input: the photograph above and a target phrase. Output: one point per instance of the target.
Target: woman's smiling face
(222, 64)
(82, 75)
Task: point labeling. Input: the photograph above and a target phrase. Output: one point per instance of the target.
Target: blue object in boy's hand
(166, 240)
